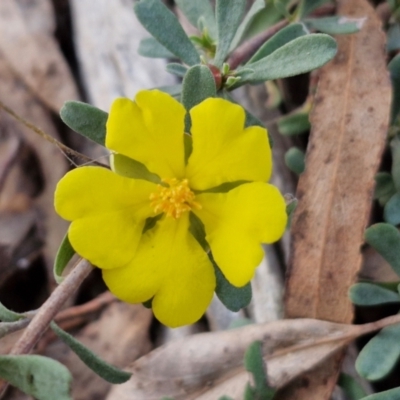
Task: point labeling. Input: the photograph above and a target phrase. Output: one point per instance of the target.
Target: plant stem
(47, 312)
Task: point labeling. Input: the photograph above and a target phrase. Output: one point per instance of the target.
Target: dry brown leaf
(32, 52)
(208, 365)
(349, 120)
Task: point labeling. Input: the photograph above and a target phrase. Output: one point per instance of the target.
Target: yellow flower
(166, 263)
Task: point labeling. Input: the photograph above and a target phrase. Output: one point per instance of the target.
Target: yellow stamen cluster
(174, 199)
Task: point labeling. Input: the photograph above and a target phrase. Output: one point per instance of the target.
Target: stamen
(174, 199)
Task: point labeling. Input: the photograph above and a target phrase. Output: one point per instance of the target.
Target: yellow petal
(108, 214)
(236, 224)
(149, 130)
(223, 151)
(171, 266)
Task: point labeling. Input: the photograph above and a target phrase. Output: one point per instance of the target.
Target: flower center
(174, 199)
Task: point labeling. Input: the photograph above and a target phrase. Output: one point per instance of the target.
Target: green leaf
(176, 69)
(166, 29)
(232, 297)
(198, 85)
(85, 119)
(335, 25)
(254, 363)
(229, 14)
(194, 10)
(294, 124)
(392, 394)
(351, 387)
(280, 38)
(225, 398)
(130, 168)
(255, 9)
(7, 315)
(368, 294)
(64, 254)
(385, 239)
(393, 38)
(379, 356)
(384, 188)
(295, 160)
(395, 148)
(290, 209)
(391, 211)
(300, 55)
(150, 47)
(394, 68)
(38, 376)
(308, 6)
(105, 370)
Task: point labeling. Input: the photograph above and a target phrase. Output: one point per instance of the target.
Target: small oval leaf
(85, 119)
(394, 68)
(106, 371)
(176, 69)
(166, 29)
(295, 160)
(384, 188)
(64, 254)
(391, 211)
(379, 356)
(385, 239)
(368, 294)
(294, 124)
(38, 376)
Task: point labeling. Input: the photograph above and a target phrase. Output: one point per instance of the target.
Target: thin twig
(64, 149)
(48, 311)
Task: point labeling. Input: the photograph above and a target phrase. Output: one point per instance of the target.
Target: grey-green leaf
(335, 25)
(229, 14)
(254, 10)
(85, 119)
(368, 294)
(379, 356)
(351, 387)
(64, 254)
(254, 363)
(166, 29)
(234, 298)
(384, 188)
(7, 315)
(105, 370)
(393, 38)
(38, 376)
(391, 211)
(294, 124)
(173, 90)
(198, 85)
(392, 394)
(295, 160)
(385, 239)
(150, 47)
(130, 168)
(300, 55)
(394, 68)
(281, 38)
(196, 9)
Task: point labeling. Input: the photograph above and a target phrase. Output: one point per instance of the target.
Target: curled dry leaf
(209, 365)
